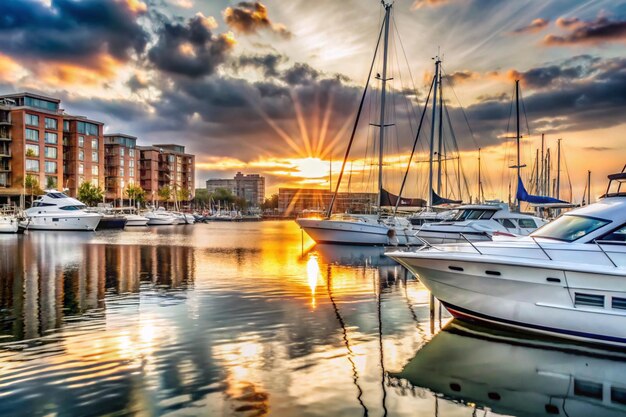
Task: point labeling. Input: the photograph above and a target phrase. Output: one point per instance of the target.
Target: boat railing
(541, 247)
(604, 252)
(470, 242)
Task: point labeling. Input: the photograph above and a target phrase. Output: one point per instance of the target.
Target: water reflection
(229, 320)
(515, 375)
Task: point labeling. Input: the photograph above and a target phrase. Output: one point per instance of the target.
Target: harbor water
(252, 319)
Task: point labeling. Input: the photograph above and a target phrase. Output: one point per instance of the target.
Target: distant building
(292, 201)
(121, 164)
(166, 165)
(249, 187)
(83, 153)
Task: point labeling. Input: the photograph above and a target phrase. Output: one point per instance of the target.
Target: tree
(51, 183)
(270, 203)
(165, 193)
(135, 193)
(223, 195)
(89, 194)
(183, 194)
(202, 198)
(32, 185)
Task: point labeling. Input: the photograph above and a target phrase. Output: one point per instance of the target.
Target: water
(249, 319)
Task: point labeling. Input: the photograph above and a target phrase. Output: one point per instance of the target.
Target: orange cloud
(62, 73)
(10, 70)
(537, 25)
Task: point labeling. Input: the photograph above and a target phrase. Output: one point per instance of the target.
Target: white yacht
(565, 279)
(132, 218)
(57, 211)
(160, 217)
(360, 229)
(8, 223)
(477, 222)
(499, 373)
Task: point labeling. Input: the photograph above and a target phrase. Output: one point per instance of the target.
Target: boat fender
(391, 233)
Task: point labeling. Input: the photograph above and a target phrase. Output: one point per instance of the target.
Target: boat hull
(9, 225)
(346, 233)
(62, 223)
(164, 221)
(117, 223)
(534, 299)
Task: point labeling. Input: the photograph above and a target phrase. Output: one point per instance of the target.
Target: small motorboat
(160, 217)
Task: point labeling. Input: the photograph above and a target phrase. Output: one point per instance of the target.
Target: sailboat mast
(440, 137)
(432, 136)
(518, 208)
(543, 165)
(480, 182)
(588, 187)
(383, 93)
(558, 169)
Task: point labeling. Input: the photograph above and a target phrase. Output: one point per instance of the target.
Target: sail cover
(390, 200)
(522, 195)
(438, 200)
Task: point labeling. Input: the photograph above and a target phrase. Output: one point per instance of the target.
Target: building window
(50, 167)
(121, 151)
(81, 155)
(94, 170)
(32, 119)
(32, 134)
(121, 160)
(121, 171)
(131, 152)
(66, 140)
(51, 138)
(81, 169)
(87, 128)
(66, 125)
(51, 152)
(94, 156)
(32, 150)
(94, 182)
(81, 180)
(94, 144)
(81, 141)
(51, 123)
(131, 172)
(131, 163)
(32, 165)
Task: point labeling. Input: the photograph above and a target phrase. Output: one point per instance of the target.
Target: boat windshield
(474, 214)
(56, 195)
(569, 228)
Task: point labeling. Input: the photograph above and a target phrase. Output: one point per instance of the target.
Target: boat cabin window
(40, 204)
(507, 223)
(569, 228)
(72, 208)
(618, 235)
(56, 195)
(526, 223)
(473, 214)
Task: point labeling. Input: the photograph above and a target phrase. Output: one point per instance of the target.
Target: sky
(273, 87)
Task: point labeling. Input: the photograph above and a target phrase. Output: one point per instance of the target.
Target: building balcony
(5, 152)
(4, 121)
(5, 166)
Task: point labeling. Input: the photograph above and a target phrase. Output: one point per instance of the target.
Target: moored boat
(57, 211)
(565, 279)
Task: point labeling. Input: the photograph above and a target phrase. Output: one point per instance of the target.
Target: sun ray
(284, 135)
(325, 122)
(304, 134)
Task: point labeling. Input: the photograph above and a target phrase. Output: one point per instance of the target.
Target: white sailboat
(365, 229)
(57, 211)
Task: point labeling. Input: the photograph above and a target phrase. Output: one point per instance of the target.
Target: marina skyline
(198, 69)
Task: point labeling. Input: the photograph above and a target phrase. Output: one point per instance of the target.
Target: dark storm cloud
(136, 83)
(461, 76)
(268, 64)
(250, 17)
(537, 25)
(598, 31)
(71, 30)
(572, 69)
(300, 74)
(189, 48)
(573, 104)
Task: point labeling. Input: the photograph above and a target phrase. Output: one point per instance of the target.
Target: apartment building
(31, 147)
(121, 164)
(293, 201)
(249, 187)
(166, 165)
(83, 153)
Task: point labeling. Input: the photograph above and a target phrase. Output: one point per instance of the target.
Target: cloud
(137, 83)
(595, 32)
(250, 17)
(598, 148)
(189, 49)
(548, 76)
(418, 4)
(300, 74)
(537, 25)
(73, 32)
(462, 76)
(267, 63)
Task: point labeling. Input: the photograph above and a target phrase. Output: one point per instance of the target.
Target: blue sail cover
(522, 195)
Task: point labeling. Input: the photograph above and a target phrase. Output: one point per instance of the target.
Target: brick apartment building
(292, 201)
(166, 165)
(31, 135)
(249, 187)
(121, 164)
(83, 153)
